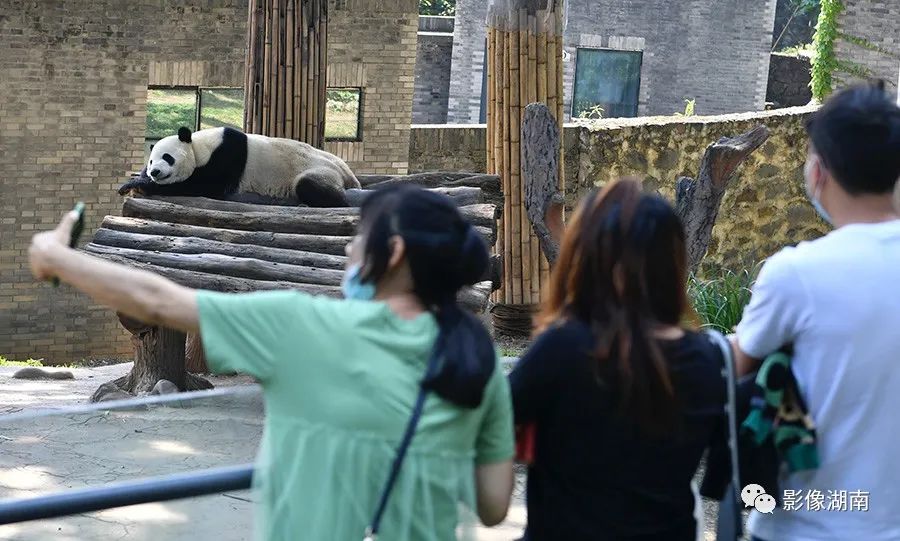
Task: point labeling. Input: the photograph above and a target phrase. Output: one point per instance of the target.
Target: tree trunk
(310, 243)
(320, 222)
(460, 195)
(544, 203)
(697, 201)
(194, 358)
(158, 355)
(194, 245)
(238, 267)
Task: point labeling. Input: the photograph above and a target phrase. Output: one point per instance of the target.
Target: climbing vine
(825, 62)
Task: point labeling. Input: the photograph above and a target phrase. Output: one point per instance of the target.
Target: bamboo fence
(525, 48)
(286, 69)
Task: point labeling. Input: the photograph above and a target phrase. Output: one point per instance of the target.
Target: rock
(109, 392)
(164, 386)
(39, 373)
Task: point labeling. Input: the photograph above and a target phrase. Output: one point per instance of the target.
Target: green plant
(800, 7)
(689, 106)
(719, 301)
(437, 7)
(28, 362)
(825, 63)
(588, 115)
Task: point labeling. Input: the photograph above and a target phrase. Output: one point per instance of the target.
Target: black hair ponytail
(445, 253)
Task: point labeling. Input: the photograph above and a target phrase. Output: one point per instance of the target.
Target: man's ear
(398, 251)
(184, 134)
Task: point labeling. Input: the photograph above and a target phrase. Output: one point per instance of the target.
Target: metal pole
(153, 489)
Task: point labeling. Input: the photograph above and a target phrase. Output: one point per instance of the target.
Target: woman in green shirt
(341, 377)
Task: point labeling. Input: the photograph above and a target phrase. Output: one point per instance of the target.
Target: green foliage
(825, 63)
(805, 6)
(437, 7)
(27, 362)
(719, 301)
(588, 116)
(342, 113)
(168, 110)
(689, 106)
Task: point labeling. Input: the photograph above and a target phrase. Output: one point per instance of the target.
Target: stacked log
(241, 247)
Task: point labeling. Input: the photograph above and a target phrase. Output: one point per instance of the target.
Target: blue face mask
(817, 205)
(352, 286)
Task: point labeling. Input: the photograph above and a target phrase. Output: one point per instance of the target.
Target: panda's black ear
(184, 135)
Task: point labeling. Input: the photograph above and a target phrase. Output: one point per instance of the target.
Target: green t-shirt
(340, 379)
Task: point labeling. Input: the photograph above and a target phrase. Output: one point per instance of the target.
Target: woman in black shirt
(622, 397)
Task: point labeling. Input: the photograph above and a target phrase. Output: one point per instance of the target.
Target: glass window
(343, 112)
(169, 109)
(221, 107)
(608, 80)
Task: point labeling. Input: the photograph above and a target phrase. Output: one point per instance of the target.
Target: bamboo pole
(267, 55)
(323, 69)
(289, 71)
(531, 241)
(519, 99)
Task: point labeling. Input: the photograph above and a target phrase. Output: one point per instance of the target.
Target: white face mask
(814, 197)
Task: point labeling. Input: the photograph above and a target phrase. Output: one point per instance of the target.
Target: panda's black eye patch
(168, 159)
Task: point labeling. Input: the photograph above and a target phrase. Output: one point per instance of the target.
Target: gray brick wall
(72, 119)
(434, 52)
(372, 44)
(73, 99)
(714, 51)
(878, 22)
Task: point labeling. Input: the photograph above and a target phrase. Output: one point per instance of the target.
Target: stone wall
(789, 78)
(878, 22)
(372, 45)
(434, 52)
(714, 51)
(72, 120)
(764, 209)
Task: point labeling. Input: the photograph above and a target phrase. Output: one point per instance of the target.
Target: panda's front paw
(133, 187)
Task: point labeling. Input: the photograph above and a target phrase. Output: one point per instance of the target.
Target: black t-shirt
(595, 475)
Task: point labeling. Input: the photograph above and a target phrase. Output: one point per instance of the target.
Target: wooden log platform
(234, 246)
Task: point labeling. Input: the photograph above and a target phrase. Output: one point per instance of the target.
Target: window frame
(640, 66)
(359, 116)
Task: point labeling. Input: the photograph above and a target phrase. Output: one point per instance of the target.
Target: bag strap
(730, 375)
(375, 524)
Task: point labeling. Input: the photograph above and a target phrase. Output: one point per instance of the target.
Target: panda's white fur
(221, 162)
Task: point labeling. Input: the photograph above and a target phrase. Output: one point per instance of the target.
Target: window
(197, 108)
(343, 114)
(606, 79)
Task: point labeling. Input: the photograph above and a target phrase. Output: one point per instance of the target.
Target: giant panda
(224, 163)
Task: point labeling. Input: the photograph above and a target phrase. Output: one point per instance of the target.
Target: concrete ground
(40, 455)
(46, 454)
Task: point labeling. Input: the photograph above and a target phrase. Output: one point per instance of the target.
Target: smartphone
(76, 232)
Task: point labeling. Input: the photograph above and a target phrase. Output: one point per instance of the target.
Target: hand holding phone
(77, 229)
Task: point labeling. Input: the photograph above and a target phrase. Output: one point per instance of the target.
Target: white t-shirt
(837, 300)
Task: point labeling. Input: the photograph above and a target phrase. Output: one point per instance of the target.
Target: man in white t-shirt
(837, 300)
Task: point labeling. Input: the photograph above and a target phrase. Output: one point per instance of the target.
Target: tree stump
(158, 354)
(194, 358)
(544, 203)
(697, 201)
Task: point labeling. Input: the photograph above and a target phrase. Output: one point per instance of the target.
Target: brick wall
(72, 119)
(433, 54)
(714, 51)
(372, 44)
(878, 22)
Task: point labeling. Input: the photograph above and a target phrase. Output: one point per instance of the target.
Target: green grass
(342, 114)
(168, 110)
(719, 301)
(28, 362)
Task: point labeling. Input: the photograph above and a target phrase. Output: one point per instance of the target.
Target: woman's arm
(139, 294)
(494, 486)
